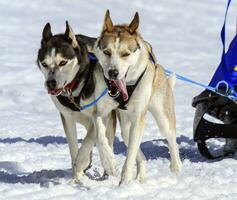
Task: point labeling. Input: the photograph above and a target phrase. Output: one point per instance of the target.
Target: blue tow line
(182, 78)
(232, 96)
(104, 93)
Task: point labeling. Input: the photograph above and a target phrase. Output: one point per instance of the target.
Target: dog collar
(73, 102)
(73, 84)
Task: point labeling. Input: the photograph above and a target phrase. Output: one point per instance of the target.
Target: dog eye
(125, 54)
(107, 52)
(44, 65)
(62, 63)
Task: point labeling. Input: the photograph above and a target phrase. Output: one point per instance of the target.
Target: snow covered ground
(34, 156)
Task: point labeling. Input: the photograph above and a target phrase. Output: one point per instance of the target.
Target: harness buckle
(114, 94)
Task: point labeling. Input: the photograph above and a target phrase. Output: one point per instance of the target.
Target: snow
(34, 155)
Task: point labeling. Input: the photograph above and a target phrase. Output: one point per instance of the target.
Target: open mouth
(55, 92)
(121, 86)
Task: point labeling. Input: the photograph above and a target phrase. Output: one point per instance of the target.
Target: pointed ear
(47, 34)
(108, 24)
(133, 26)
(70, 35)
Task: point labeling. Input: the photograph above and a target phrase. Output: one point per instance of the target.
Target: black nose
(51, 84)
(113, 73)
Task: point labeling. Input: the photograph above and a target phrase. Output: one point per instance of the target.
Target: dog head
(58, 58)
(118, 49)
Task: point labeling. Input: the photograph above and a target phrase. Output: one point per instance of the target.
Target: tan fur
(108, 24)
(165, 85)
(121, 32)
(133, 26)
(172, 80)
(154, 92)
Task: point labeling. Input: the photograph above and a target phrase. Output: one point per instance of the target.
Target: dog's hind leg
(140, 159)
(69, 126)
(164, 114)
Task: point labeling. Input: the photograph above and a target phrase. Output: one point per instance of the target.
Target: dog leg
(105, 151)
(140, 159)
(135, 136)
(111, 129)
(166, 121)
(69, 126)
(110, 134)
(83, 160)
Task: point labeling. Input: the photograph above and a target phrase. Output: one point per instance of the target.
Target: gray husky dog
(70, 80)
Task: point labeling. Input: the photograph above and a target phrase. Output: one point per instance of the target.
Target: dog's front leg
(69, 126)
(83, 160)
(135, 136)
(140, 159)
(105, 151)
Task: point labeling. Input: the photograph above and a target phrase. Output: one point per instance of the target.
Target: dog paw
(78, 176)
(141, 172)
(71, 181)
(126, 176)
(109, 165)
(125, 180)
(110, 170)
(141, 176)
(176, 167)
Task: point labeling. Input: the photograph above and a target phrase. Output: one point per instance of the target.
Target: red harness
(73, 85)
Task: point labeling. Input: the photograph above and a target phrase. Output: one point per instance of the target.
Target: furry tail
(172, 80)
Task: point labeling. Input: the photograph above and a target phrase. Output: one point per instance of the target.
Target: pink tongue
(121, 85)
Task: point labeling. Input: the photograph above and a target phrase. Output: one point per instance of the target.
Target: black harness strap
(65, 101)
(152, 59)
(113, 91)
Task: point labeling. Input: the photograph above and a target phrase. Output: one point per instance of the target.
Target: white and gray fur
(72, 52)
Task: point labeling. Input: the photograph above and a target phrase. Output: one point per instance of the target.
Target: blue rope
(168, 73)
(105, 92)
(231, 96)
(182, 78)
(93, 58)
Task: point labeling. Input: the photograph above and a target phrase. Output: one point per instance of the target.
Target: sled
(222, 109)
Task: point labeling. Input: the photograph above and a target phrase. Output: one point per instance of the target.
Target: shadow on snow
(42, 140)
(154, 149)
(43, 177)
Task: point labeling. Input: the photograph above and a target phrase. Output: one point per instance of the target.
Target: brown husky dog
(137, 84)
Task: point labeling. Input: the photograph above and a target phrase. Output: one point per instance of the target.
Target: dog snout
(113, 73)
(51, 84)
